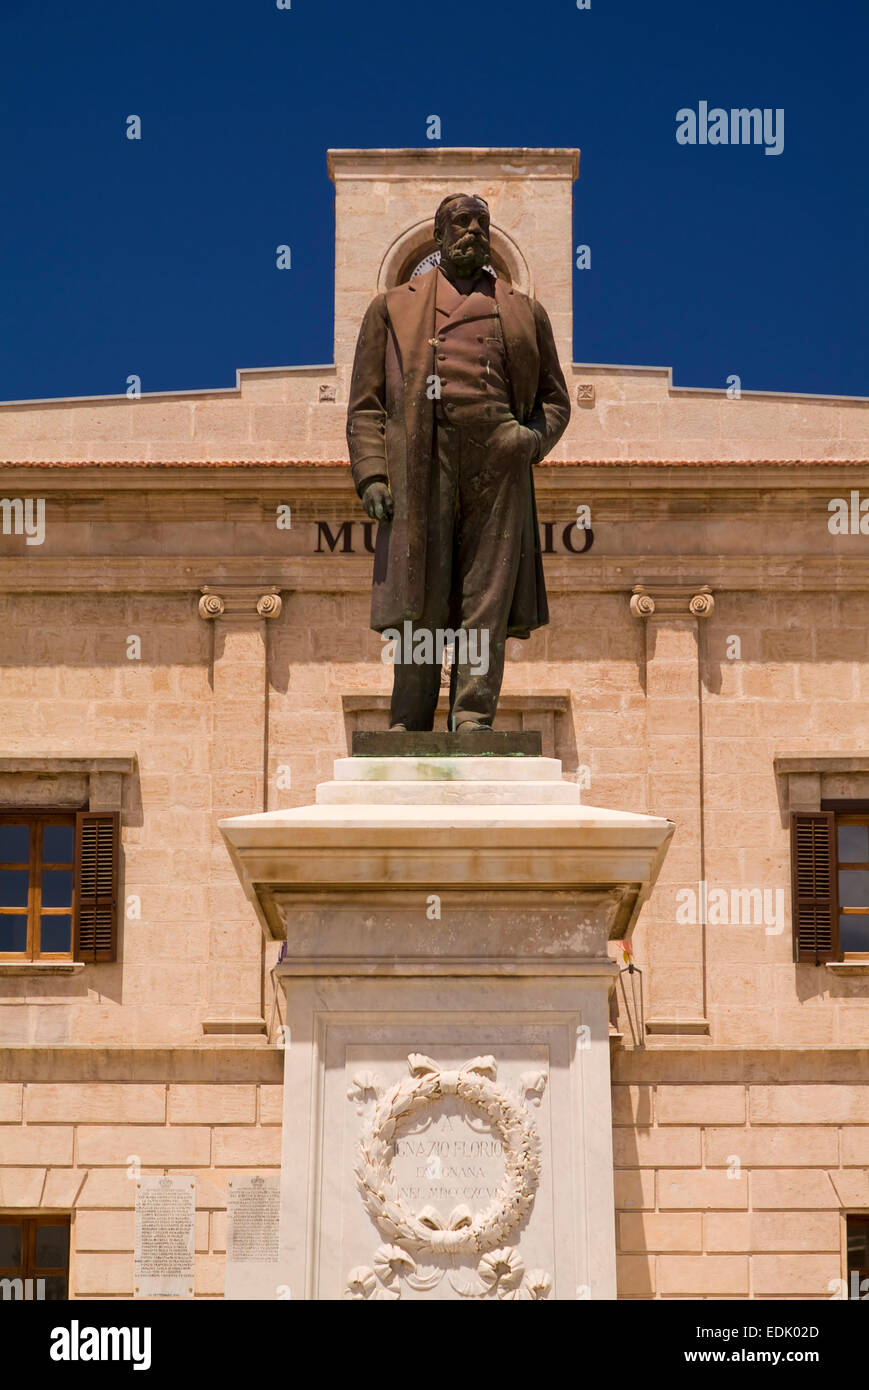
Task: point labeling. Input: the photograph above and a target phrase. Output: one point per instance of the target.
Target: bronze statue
(456, 393)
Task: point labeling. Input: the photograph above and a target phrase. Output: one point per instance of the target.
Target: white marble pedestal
(447, 1084)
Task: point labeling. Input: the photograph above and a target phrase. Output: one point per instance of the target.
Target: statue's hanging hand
(377, 501)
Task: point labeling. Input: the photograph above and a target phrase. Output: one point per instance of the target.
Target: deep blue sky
(157, 257)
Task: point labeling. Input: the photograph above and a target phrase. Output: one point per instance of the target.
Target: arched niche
(417, 242)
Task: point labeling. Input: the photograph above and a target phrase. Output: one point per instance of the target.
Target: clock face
(428, 263)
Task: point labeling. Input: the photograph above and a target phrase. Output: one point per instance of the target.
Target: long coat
(390, 425)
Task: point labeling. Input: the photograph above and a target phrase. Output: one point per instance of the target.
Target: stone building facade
(187, 639)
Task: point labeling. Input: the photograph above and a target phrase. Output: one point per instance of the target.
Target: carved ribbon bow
(460, 1216)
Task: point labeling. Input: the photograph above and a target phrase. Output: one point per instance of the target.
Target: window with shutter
(814, 897)
(97, 840)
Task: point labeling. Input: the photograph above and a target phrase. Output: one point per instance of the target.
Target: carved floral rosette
(479, 1237)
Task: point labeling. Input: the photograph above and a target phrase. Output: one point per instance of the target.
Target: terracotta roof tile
(343, 463)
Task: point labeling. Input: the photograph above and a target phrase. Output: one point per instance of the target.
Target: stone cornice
(51, 763)
(810, 778)
(207, 1062)
(98, 777)
(786, 574)
(441, 161)
(294, 464)
(786, 763)
(662, 1062)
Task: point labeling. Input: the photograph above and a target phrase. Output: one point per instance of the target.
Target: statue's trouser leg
(416, 685)
(494, 482)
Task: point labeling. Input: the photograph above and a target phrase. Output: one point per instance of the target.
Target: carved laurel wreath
(473, 1083)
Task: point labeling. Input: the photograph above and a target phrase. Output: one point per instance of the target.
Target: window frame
(851, 817)
(28, 1268)
(37, 818)
(858, 1218)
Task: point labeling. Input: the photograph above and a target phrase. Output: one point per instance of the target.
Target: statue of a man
(456, 394)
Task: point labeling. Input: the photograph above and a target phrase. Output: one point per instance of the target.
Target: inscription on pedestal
(447, 1158)
(448, 1165)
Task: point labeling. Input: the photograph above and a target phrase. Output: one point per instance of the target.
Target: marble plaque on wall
(254, 1268)
(163, 1259)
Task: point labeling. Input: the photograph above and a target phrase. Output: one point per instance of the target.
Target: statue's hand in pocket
(531, 439)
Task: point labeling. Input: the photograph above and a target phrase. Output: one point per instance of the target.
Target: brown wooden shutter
(815, 901)
(97, 842)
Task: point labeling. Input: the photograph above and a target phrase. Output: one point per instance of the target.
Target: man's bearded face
(465, 237)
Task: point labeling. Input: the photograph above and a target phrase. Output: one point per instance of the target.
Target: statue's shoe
(473, 726)
(398, 728)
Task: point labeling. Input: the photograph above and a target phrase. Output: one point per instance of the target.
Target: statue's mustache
(471, 242)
